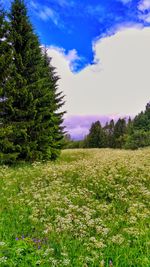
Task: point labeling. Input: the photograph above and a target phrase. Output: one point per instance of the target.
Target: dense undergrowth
(89, 208)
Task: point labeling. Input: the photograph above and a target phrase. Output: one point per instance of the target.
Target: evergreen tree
(31, 106)
(6, 131)
(5, 51)
(3, 57)
(142, 120)
(147, 110)
(129, 126)
(139, 131)
(49, 104)
(109, 133)
(96, 136)
(120, 130)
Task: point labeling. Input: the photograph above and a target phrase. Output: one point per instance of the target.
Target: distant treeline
(125, 133)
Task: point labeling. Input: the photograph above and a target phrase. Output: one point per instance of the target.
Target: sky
(100, 49)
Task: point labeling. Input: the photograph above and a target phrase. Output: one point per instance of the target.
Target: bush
(139, 138)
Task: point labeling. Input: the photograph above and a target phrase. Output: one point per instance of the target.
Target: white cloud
(71, 58)
(145, 17)
(72, 55)
(47, 13)
(119, 81)
(44, 12)
(144, 5)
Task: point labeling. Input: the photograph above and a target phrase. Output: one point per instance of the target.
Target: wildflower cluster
(87, 208)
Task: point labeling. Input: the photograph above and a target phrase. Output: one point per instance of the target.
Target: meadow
(89, 208)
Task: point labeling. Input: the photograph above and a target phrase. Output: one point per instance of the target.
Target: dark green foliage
(147, 110)
(31, 102)
(7, 153)
(3, 66)
(142, 120)
(120, 130)
(129, 134)
(96, 136)
(7, 150)
(5, 52)
(50, 104)
(109, 133)
(139, 138)
(129, 126)
(139, 130)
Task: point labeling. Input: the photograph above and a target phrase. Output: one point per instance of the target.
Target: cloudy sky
(101, 49)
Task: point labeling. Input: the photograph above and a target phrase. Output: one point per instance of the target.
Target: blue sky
(101, 50)
(75, 24)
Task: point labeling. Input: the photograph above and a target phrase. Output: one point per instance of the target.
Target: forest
(125, 133)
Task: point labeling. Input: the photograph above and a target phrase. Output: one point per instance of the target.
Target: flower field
(89, 208)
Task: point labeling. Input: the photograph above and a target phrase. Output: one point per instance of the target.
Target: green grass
(89, 207)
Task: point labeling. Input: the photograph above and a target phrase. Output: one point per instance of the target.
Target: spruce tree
(48, 116)
(109, 133)
(96, 136)
(3, 66)
(142, 120)
(120, 130)
(4, 50)
(129, 126)
(6, 131)
(139, 132)
(32, 102)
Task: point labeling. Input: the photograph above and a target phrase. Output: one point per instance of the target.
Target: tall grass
(90, 208)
